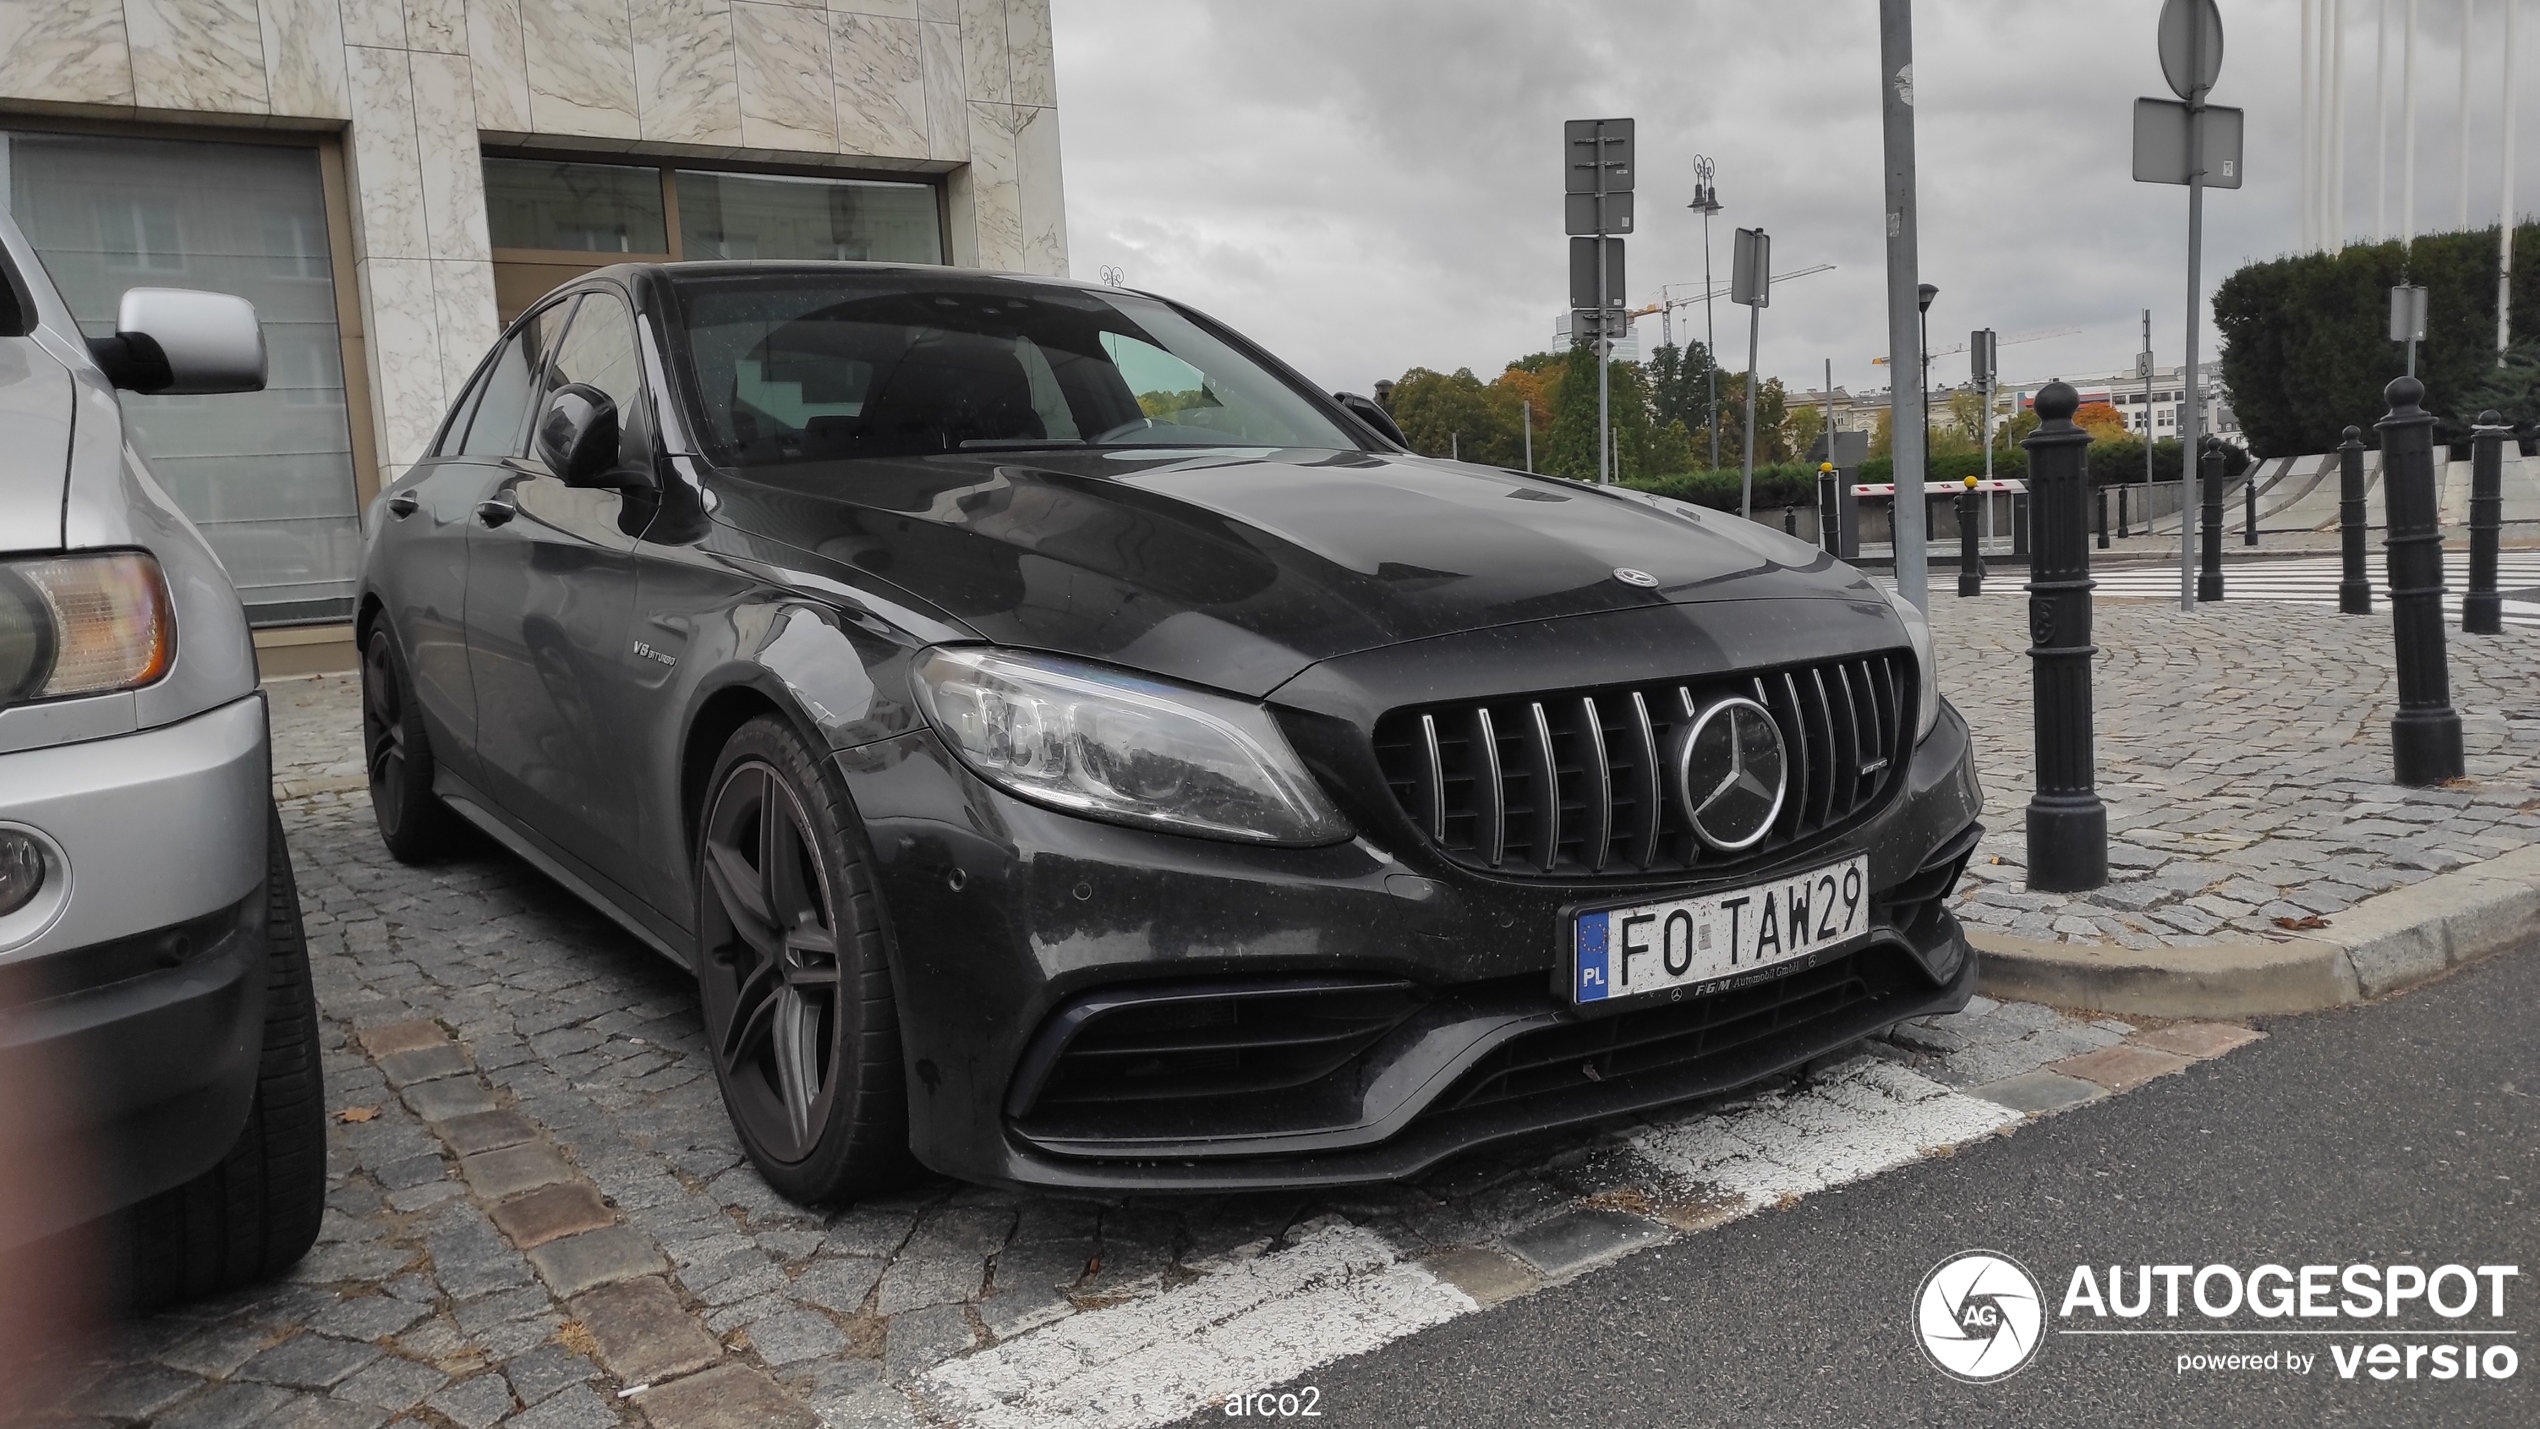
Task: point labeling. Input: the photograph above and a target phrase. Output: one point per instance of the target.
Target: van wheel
(413, 822)
(798, 1007)
(256, 1212)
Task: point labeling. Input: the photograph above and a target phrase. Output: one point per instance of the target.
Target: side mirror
(1366, 410)
(177, 341)
(578, 436)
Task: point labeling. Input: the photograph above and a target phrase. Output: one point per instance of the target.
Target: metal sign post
(2407, 319)
(1751, 283)
(1904, 277)
(1596, 208)
(2199, 145)
(1980, 361)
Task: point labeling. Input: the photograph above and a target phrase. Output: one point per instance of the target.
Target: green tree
(1679, 389)
(1571, 448)
(1444, 414)
(2306, 346)
(1772, 411)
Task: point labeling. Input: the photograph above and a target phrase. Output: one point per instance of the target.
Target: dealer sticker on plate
(1668, 947)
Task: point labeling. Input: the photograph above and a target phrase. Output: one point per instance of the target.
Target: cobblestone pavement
(2243, 751)
(539, 1216)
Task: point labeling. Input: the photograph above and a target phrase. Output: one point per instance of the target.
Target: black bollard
(2123, 526)
(2425, 736)
(1970, 555)
(2482, 610)
(2100, 495)
(2354, 592)
(2067, 825)
(1790, 520)
(2209, 581)
(2249, 509)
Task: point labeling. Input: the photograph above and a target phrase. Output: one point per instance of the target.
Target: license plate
(1685, 943)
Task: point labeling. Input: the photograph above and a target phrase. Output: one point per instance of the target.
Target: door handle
(402, 504)
(496, 510)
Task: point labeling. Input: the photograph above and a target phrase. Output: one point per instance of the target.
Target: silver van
(159, 1070)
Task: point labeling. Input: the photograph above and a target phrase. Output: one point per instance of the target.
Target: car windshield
(795, 367)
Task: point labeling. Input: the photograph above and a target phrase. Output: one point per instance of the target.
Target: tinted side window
(599, 349)
(495, 428)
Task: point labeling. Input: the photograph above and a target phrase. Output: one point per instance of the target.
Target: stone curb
(2388, 942)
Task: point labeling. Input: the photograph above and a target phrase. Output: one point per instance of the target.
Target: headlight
(1918, 630)
(82, 625)
(1117, 746)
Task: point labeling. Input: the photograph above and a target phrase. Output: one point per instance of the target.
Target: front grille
(1139, 1049)
(1574, 783)
(1658, 1039)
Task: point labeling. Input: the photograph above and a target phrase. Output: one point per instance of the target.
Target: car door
(424, 551)
(551, 588)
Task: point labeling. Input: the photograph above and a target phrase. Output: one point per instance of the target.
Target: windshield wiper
(1008, 444)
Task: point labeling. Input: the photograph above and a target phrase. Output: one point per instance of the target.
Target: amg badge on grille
(1628, 576)
(1732, 773)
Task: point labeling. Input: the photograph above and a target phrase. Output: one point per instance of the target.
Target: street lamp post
(1706, 201)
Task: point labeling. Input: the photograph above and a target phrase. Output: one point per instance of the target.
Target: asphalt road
(2402, 1133)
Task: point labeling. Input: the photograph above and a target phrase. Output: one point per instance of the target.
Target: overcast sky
(1374, 185)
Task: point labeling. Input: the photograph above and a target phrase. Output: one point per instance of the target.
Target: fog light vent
(21, 871)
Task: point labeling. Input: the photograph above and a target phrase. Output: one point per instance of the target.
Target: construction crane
(1997, 342)
(1666, 306)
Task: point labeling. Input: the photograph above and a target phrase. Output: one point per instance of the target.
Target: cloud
(1368, 186)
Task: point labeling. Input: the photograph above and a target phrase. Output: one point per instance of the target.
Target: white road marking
(2313, 580)
(1862, 1118)
(1259, 1320)
(1247, 1324)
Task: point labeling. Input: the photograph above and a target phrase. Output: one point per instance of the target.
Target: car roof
(704, 268)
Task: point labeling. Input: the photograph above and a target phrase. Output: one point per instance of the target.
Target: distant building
(2157, 413)
(1852, 413)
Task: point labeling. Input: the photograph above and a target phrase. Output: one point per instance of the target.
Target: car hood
(1239, 568)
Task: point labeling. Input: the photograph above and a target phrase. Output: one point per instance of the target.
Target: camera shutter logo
(1979, 1316)
(1732, 774)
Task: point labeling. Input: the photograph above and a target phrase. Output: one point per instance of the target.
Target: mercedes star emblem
(1732, 774)
(1628, 576)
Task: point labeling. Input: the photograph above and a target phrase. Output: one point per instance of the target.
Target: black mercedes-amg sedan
(1071, 750)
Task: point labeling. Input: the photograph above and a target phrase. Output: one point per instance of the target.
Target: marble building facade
(415, 93)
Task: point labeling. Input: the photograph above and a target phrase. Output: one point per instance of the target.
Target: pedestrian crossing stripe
(2313, 580)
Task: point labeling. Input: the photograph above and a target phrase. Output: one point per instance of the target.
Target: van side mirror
(1366, 410)
(578, 437)
(176, 341)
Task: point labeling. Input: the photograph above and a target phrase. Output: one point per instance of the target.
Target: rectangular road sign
(1751, 270)
(1590, 143)
(1583, 293)
(2160, 144)
(2407, 313)
(1581, 213)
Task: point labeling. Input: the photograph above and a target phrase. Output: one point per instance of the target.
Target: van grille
(1574, 783)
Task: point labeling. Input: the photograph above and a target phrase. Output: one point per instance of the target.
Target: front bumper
(131, 1020)
(1007, 918)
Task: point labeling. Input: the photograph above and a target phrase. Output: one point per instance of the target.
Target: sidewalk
(2243, 752)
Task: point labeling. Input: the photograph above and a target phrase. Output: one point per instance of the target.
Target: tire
(256, 1212)
(397, 755)
(792, 973)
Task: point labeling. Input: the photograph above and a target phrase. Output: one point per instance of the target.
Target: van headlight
(82, 625)
(1113, 745)
(1927, 669)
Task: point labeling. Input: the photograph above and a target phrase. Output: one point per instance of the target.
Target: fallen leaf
(2305, 923)
(359, 1113)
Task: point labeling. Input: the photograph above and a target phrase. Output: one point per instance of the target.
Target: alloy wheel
(769, 973)
(383, 730)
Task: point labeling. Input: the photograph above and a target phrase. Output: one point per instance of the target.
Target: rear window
(799, 367)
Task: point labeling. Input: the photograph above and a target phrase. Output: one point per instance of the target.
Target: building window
(551, 220)
(267, 476)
